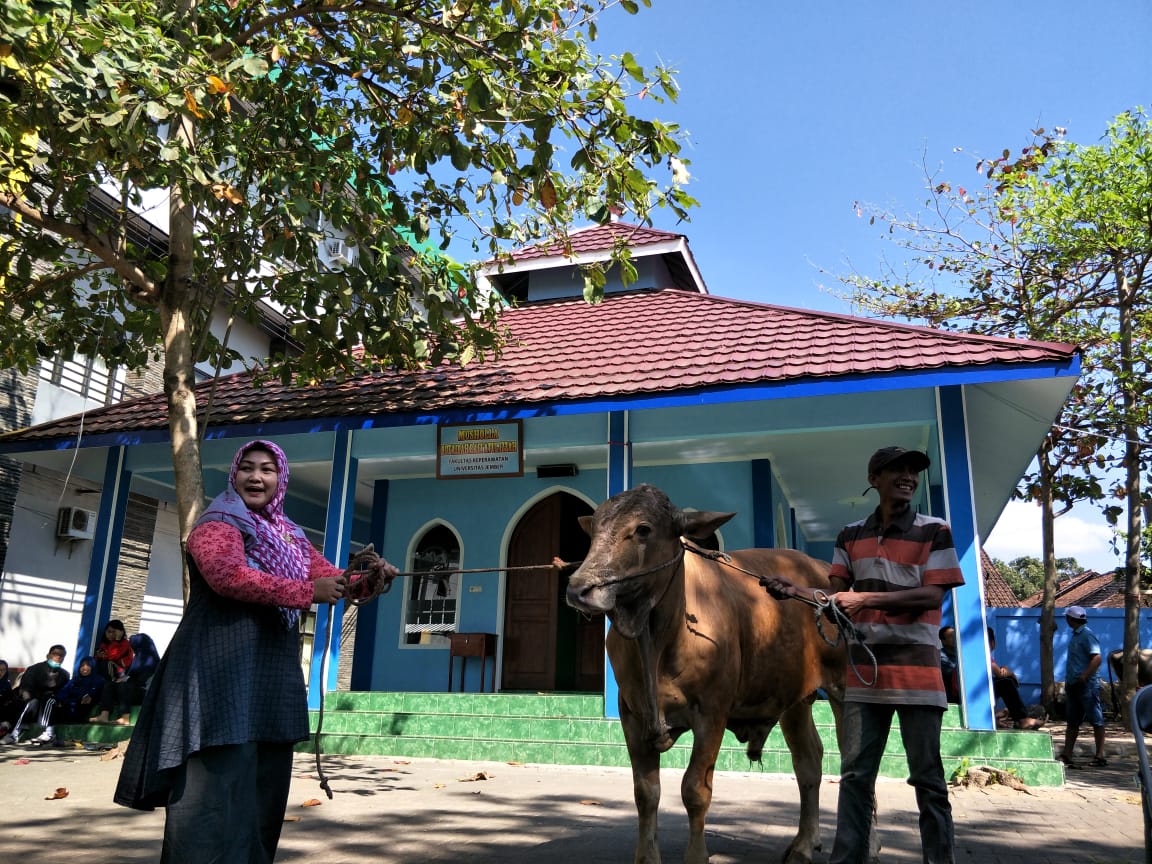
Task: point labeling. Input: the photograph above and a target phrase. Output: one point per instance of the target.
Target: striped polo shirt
(915, 550)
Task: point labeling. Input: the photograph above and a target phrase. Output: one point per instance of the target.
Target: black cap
(885, 456)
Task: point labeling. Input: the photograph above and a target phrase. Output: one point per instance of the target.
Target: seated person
(114, 653)
(7, 697)
(948, 663)
(79, 697)
(114, 658)
(1006, 686)
(37, 696)
(144, 662)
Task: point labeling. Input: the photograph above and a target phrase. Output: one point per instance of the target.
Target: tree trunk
(176, 308)
(1129, 387)
(1048, 554)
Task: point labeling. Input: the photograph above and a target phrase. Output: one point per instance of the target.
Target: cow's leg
(696, 787)
(807, 763)
(656, 730)
(645, 784)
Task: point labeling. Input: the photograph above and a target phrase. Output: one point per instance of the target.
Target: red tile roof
(996, 591)
(634, 344)
(597, 238)
(1088, 589)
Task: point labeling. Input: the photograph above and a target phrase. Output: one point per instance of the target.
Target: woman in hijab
(214, 739)
(76, 700)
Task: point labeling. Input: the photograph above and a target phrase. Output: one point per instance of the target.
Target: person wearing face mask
(36, 694)
(214, 739)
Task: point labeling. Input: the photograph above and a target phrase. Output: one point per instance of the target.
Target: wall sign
(494, 449)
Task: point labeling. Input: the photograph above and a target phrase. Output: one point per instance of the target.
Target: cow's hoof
(795, 856)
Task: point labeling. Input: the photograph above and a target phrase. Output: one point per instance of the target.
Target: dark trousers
(36, 711)
(1008, 689)
(227, 805)
(866, 728)
(117, 697)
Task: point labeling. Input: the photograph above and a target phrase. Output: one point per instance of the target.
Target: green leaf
(461, 155)
(157, 111)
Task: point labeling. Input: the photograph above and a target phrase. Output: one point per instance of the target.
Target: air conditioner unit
(339, 253)
(75, 523)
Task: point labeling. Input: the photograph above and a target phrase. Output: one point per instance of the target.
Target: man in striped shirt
(890, 572)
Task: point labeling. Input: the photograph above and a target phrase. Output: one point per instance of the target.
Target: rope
(823, 605)
(362, 564)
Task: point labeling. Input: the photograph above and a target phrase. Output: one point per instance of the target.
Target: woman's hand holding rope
(368, 576)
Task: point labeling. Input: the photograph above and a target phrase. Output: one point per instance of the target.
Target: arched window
(433, 599)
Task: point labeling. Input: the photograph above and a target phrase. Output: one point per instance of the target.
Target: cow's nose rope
(822, 603)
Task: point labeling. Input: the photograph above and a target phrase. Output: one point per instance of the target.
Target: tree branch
(143, 288)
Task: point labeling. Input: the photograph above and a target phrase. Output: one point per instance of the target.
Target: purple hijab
(273, 542)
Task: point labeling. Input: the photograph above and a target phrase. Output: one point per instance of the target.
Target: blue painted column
(105, 552)
(763, 522)
(619, 479)
(976, 699)
(337, 536)
(367, 618)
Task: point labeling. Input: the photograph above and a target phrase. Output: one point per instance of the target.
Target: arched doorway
(547, 644)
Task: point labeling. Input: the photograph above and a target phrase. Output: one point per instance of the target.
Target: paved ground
(426, 811)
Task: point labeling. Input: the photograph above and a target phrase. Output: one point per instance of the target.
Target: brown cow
(697, 645)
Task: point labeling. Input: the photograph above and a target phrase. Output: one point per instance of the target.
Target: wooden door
(530, 602)
(547, 644)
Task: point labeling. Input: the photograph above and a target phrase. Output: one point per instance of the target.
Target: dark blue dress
(231, 675)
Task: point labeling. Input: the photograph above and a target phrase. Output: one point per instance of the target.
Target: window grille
(433, 599)
(85, 376)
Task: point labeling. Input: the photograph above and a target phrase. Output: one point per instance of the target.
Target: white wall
(248, 339)
(42, 593)
(53, 402)
(164, 597)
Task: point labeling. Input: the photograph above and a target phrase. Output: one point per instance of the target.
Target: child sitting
(113, 657)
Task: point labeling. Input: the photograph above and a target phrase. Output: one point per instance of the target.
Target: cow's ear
(701, 523)
(586, 524)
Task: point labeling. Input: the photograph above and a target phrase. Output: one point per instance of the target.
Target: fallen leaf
(590, 802)
(291, 818)
(479, 775)
(401, 762)
(312, 802)
(515, 764)
(60, 792)
(22, 762)
(439, 786)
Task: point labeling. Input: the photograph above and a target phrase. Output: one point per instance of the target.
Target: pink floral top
(218, 549)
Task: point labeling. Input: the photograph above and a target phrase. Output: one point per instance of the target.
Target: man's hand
(778, 587)
(328, 590)
(850, 602)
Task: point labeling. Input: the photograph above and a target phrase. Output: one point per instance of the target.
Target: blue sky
(794, 111)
